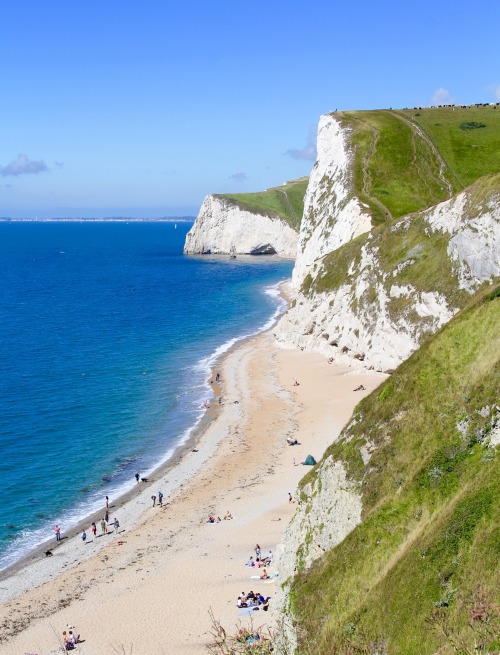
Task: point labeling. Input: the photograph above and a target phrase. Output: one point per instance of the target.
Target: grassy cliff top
(285, 201)
(468, 139)
(409, 160)
(426, 553)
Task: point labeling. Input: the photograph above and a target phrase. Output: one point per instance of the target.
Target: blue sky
(142, 108)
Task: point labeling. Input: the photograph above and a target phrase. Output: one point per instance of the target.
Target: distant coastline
(106, 219)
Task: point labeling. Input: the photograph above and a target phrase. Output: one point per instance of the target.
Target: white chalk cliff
(333, 215)
(379, 314)
(222, 225)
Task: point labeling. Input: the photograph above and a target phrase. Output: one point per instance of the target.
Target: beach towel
(244, 611)
(309, 461)
(255, 577)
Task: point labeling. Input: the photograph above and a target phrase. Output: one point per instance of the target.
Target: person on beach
(264, 575)
(94, 529)
(160, 499)
(107, 502)
(137, 477)
(290, 498)
(104, 527)
(106, 516)
(153, 498)
(250, 562)
(228, 516)
(217, 377)
(66, 640)
(116, 524)
(57, 530)
(296, 383)
(257, 550)
(84, 536)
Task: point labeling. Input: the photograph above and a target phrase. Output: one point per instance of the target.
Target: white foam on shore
(28, 540)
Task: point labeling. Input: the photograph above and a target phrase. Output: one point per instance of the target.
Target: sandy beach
(148, 587)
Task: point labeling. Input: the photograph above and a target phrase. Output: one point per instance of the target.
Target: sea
(108, 336)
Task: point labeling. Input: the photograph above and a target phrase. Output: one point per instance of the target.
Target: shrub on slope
(431, 514)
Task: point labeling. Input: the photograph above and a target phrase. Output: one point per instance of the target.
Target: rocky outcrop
(333, 215)
(329, 509)
(222, 225)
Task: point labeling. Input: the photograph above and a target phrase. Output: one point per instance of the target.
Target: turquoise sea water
(107, 335)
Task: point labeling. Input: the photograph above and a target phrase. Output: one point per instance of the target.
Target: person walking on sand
(104, 527)
(84, 536)
(153, 498)
(107, 502)
(94, 529)
(290, 499)
(57, 530)
(137, 476)
(160, 499)
(116, 524)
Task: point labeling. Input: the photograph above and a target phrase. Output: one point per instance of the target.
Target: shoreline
(243, 465)
(157, 471)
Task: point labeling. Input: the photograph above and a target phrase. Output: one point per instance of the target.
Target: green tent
(309, 461)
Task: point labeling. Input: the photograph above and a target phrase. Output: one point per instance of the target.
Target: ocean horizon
(108, 334)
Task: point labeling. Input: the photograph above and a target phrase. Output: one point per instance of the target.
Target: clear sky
(142, 108)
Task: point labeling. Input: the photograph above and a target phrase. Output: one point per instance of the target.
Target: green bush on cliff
(430, 532)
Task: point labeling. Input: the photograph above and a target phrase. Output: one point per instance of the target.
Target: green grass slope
(468, 139)
(405, 161)
(285, 201)
(430, 532)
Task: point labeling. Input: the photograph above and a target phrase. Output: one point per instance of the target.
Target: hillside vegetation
(285, 201)
(408, 253)
(405, 161)
(425, 557)
(468, 139)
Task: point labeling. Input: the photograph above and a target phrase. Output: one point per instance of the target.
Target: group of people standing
(104, 523)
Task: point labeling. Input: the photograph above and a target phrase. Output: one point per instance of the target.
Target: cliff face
(333, 215)
(222, 224)
(372, 296)
(330, 510)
